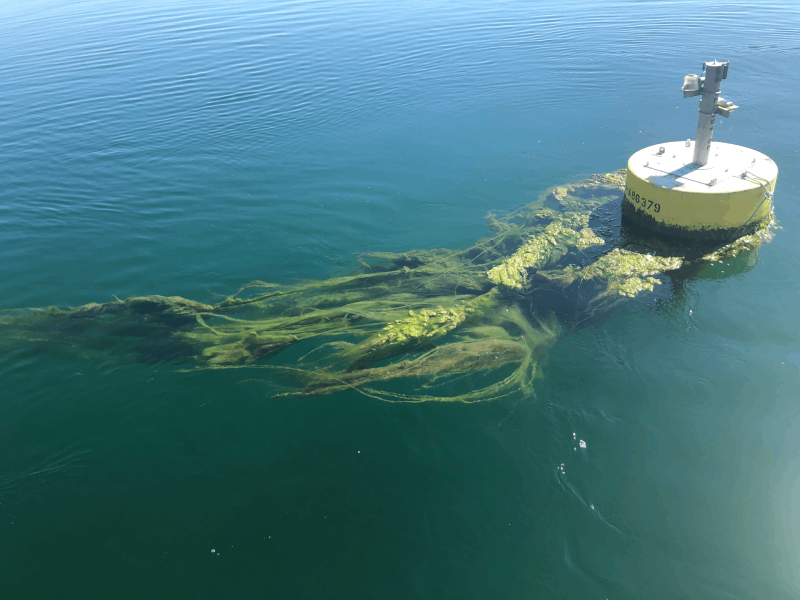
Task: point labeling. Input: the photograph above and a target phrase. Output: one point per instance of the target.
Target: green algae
(423, 320)
(473, 352)
(417, 330)
(628, 273)
(545, 249)
(746, 243)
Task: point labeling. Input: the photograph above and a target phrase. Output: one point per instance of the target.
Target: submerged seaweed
(426, 316)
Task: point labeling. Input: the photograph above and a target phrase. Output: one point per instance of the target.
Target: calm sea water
(185, 148)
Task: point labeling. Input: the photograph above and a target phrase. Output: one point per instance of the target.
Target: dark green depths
(426, 315)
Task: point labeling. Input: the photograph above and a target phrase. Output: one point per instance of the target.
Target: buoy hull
(728, 198)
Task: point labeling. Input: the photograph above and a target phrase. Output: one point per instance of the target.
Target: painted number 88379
(643, 202)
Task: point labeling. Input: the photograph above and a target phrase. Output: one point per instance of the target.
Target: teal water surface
(186, 148)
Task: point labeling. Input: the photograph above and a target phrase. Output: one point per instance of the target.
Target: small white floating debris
(212, 551)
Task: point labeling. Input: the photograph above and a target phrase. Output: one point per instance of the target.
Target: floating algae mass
(428, 318)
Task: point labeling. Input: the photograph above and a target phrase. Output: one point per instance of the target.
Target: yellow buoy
(701, 189)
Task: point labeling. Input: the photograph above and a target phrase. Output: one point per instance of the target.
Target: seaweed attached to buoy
(425, 318)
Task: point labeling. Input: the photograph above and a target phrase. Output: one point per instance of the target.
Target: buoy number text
(643, 202)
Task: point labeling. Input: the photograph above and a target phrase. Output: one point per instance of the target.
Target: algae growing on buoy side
(427, 318)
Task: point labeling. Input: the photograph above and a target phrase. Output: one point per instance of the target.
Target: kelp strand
(427, 318)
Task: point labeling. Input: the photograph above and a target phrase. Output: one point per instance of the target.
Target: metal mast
(711, 105)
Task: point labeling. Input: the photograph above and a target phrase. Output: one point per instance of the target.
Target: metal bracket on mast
(711, 105)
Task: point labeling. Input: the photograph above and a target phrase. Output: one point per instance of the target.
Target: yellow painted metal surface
(664, 194)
